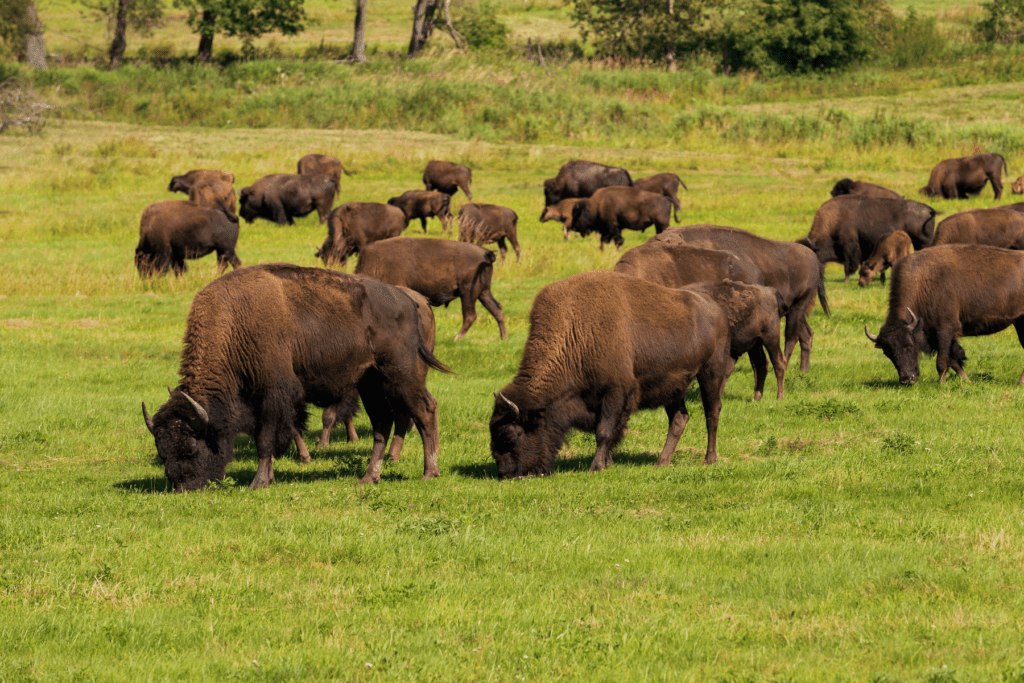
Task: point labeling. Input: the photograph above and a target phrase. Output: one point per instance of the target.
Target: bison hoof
(430, 475)
(369, 479)
(711, 459)
(757, 395)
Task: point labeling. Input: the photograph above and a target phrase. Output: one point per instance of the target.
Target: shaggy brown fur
(666, 184)
(182, 183)
(675, 264)
(863, 189)
(281, 197)
(957, 178)
(324, 164)
(994, 227)
(611, 210)
(448, 177)
(1018, 185)
(482, 224)
(888, 252)
(352, 226)
(581, 178)
(172, 231)
(215, 194)
(423, 204)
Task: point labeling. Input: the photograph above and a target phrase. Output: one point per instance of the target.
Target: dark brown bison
(675, 264)
(562, 211)
(863, 189)
(482, 224)
(354, 225)
(448, 177)
(440, 270)
(323, 164)
(888, 252)
(957, 178)
(994, 227)
(182, 183)
(847, 228)
(946, 292)
(753, 312)
(215, 194)
(666, 184)
(263, 341)
(581, 178)
(788, 267)
(172, 231)
(1018, 185)
(611, 210)
(603, 345)
(283, 196)
(424, 204)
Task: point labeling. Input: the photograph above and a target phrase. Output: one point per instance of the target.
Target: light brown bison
(675, 264)
(172, 231)
(424, 204)
(441, 270)
(863, 189)
(957, 178)
(945, 292)
(263, 341)
(562, 211)
(281, 197)
(182, 183)
(1018, 185)
(611, 210)
(994, 227)
(582, 178)
(603, 345)
(666, 184)
(888, 252)
(215, 194)
(448, 177)
(324, 164)
(482, 224)
(354, 225)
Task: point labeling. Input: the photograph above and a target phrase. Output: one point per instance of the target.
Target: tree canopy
(247, 19)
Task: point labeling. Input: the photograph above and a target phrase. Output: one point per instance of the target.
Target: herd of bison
(263, 342)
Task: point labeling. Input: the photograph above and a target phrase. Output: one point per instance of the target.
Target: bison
(182, 183)
(323, 164)
(957, 178)
(674, 264)
(215, 194)
(562, 211)
(611, 210)
(1018, 185)
(581, 178)
(448, 177)
(888, 252)
(423, 204)
(482, 224)
(666, 184)
(354, 225)
(863, 189)
(263, 341)
(790, 268)
(946, 292)
(601, 346)
(283, 196)
(847, 227)
(994, 227)
(440, 270)
(172, 231)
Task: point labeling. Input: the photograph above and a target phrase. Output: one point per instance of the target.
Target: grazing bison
(562, 211)
(888, 252)
(611, 210)
(946, 292)
(323, 164)
(423, 204)
(215, 194)
(957, 178)
(790, 268)
(1018, 185)
(172, 231)
(448, 177)
(263, 341)
(994, 227)
(666, 184)
(863, 189)
(283, 196)
(674, 264)
(482, 224)
(847, 227)
(582, 179)
(182, 183)
(352, 226)
(603, 345)
(440, 270)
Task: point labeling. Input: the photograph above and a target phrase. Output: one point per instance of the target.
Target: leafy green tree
(1003, 22)
(22, 32)
(140, 15)
(248, 19)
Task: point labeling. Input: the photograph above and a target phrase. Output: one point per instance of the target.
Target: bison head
(552, 191)
(178, 184)
(582, 218)
(521, 443)
(186, 444)
(1018, 185)
(844, 186)
(249, 204)
(902, 341)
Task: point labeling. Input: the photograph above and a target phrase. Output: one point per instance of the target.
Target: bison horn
(872, 337)
(512, 406)
(148, 419)
(202, 420)
(913, 318)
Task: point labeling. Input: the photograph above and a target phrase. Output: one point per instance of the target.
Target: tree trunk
(118, 44)
(206, 30)
(35, 49)
(422, 24)
(359, 37)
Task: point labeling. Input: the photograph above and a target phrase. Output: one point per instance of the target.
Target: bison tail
(822, 298)
(432, 360)
(345, 171)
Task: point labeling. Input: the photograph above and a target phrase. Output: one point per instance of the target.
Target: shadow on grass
(489, 470)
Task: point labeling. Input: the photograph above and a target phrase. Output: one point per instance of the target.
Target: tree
(423, 20)
(248, 19)
(1003, 22)
(359, 35)
(121, 15)
(22, 32)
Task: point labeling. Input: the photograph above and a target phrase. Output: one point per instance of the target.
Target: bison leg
(465, 188)
(468, 314)
(759, 362)
(330, 416)
(806, 335)
(1018, 325)
(402, 423)
(502, 247)
(226, 257)
(997, 184)
(710, 382)
(423, 223)
(422, 409)
(494, 308)
(515, 245)
(677, 419)
(611, 424)
(381, 418)
(265, 470)
(300, 447)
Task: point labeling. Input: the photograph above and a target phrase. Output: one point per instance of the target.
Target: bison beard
(602, 346)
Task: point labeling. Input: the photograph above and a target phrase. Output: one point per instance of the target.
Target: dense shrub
(1003, 22)
(480, 27)
(914, 41)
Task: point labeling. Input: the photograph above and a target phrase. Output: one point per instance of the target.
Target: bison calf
(448, 177)
(323, 164)
(611, 210)
(482, 224)
(281, 197)
(172, 231)
(423, 204)
(352, 226)
(215, 194)
(440, 270)
(666, 184)
(562, 211)
(888, 252)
